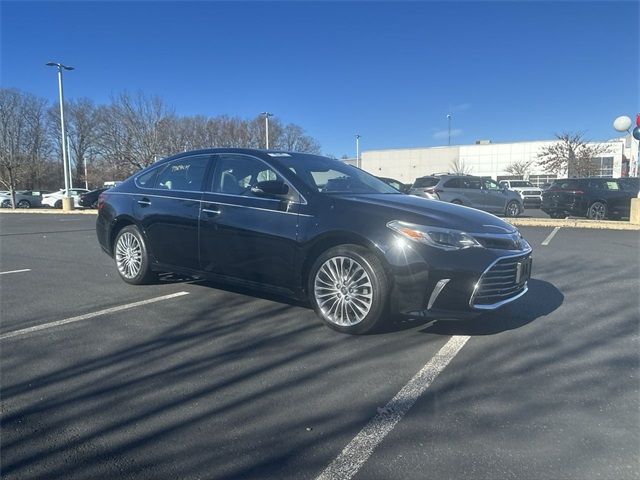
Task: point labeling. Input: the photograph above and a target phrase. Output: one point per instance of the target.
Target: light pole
(358, 150)
(449, 120)
(66, 202)
(266, 127)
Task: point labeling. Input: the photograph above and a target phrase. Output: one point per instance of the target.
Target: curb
(50, 211)
(573, 223)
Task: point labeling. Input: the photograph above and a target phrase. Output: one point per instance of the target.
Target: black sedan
(90, 199)
(312, 228)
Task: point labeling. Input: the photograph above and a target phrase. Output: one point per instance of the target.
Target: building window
(603, 166)
(540, 180)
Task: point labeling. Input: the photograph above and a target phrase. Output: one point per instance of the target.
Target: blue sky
(391, 71)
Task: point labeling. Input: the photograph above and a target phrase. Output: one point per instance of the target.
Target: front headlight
(444, 238)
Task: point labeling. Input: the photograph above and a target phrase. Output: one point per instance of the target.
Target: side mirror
(270, 188)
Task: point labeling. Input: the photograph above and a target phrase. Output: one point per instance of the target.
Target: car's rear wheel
(457, 202)
(597, 211)
(513, 209)
(131, 256)
(6, 203)
(348, 289)
(24, 204)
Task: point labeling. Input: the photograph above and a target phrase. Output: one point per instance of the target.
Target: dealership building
(489, 159)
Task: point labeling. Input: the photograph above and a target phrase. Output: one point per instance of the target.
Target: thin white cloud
(442, 134)
(461, 107)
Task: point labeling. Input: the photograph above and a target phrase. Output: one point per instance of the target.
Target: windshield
(326, 175)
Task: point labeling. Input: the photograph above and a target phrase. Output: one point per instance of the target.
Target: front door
(495, 198)
(245, 236)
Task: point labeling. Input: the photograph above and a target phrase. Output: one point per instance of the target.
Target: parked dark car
(90, 199)
(398, 185)
(594, 198)
(312, 228)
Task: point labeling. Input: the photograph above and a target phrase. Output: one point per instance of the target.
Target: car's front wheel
(24, 204)
(348, 289)
(131, 256)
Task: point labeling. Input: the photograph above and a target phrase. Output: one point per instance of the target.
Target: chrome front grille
(532, 192)
(507, 278)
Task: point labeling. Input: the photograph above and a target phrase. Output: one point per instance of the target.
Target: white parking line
(87, 316)
(551, 235)
(356, 453)
(16, 271)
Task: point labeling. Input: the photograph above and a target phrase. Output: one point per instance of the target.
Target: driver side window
(235, 174)
(489, 184)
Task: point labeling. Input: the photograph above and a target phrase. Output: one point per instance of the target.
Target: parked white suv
(531, 195)
(54, 200)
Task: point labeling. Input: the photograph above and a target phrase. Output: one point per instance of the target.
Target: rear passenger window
(186, 174)
(472, 183)
(453, 183)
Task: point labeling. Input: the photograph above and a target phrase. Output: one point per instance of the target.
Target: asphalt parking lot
(212, 382)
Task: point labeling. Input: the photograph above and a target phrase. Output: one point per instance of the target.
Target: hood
(434, 212)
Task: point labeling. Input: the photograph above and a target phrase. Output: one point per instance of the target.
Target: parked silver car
(24, 199)
(470, 191)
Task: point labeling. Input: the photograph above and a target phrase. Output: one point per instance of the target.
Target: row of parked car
(594, 198)
(82, 198)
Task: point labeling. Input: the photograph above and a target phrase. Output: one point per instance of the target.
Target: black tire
(375, 285)
(513, 209)
(597, 211)
(143, 273)
(457, 202)
(6, 203)
(24, 204)
(556, 215)
(58, 204)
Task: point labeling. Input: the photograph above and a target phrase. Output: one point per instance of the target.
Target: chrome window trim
(437, 291)
(199, 200)
(493, 306)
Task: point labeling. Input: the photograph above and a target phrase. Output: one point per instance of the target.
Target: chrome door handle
(208, 210)
(144, 202)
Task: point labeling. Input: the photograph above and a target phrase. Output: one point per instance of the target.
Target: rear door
(473, 192)
(245, 236)
(168, 207)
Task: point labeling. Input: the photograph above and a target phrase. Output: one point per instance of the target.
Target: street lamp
(449, 120)
(266, 127)
(358, 150)
(66, 166)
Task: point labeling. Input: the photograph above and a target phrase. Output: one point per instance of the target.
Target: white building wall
(489, 160)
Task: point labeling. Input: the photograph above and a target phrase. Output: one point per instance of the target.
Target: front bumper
(456, 284)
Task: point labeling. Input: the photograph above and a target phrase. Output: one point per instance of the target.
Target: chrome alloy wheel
(128, 255)
(343, 291)
(597, 211)
(513, 209)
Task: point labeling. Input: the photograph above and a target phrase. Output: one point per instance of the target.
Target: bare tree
(571, 155)
(23, 138)
(458, 167)
(519, 167)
